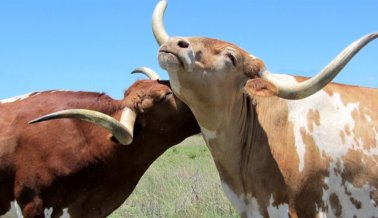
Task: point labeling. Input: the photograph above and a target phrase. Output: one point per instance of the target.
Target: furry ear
(252, 67)
(260, 87)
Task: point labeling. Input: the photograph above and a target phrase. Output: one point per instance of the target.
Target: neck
(226, 134)
(240, 149)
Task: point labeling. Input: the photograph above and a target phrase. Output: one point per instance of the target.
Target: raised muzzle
(122, 131)
(310, 86)
(177, 53)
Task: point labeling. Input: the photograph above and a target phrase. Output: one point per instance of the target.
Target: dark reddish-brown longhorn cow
(70, 167)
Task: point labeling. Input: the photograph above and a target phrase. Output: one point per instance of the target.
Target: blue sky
(92, 45)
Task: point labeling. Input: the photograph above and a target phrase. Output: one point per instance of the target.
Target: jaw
(175, 83)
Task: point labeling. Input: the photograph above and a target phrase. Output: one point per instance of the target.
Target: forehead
(214, 45)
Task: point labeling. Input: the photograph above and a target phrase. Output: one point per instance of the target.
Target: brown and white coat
(284, 146)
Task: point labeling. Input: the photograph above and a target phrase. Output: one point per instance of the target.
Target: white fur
(368, 118)
(208, 134)
(252, 56)
(48, 212)
(244, 204)
(17, 98)
(252, 207)
(323, 215)
(281, 211)
(25, 96)
(334, 116)
(361, 194)
(236, 201)
(60, 90)
(15, 211)
(18, 210)
(65, 213)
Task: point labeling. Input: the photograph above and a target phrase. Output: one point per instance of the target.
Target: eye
(198, 56)
(164, 97)
(232, 59)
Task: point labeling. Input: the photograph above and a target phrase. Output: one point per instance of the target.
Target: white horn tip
(147, 71)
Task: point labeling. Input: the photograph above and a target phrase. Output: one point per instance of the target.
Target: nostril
(183, 44)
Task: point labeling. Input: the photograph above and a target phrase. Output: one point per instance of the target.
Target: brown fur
(73, 164)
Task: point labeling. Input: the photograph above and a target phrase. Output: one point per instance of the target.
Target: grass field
(183, 182)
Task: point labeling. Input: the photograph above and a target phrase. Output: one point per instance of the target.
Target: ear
(252, 67)
(260, 87)
(113, 139)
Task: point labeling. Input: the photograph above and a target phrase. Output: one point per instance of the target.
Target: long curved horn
(122, 131)
(148, 72)
(158, 28)
(310, 86)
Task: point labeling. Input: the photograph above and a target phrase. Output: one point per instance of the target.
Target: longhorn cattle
(71, 167)
(284, 146)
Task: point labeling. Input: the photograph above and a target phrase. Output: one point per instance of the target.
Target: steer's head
(148, 113)
(206, 70)
(162, 118)
(212, 68)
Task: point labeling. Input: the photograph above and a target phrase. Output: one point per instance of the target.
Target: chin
(169, 62)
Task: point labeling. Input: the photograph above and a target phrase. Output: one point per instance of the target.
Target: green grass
(183, 182)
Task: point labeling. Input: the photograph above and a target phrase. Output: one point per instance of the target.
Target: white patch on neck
(18, 98)
(281, 211)
(48, 212)
(250, 209)
(208, 134)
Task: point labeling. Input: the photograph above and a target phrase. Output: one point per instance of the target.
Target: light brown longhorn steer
(315, 156)
(74, 168)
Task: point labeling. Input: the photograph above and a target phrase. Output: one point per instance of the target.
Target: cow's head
(149, 110)
(205, 70)
(160, 114)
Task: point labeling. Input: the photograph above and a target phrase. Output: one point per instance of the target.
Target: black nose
(183, 44)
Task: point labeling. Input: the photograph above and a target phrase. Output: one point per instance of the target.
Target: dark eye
(165, 96)
(232, 58)
(198, 56)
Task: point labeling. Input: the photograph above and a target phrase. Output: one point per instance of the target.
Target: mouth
(168, 59)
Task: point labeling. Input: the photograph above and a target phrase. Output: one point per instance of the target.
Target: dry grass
(183, 182)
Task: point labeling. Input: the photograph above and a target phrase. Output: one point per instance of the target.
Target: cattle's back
(16, 113)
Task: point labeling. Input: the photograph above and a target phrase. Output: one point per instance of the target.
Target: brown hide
(73, 164)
